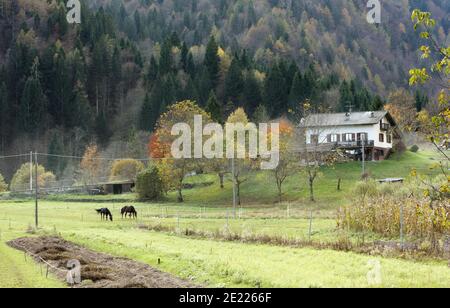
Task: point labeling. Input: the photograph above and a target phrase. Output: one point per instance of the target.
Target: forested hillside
(63, 86)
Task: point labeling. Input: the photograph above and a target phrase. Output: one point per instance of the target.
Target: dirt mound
(98, 270)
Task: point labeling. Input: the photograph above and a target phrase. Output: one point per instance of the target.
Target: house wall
(373, 132)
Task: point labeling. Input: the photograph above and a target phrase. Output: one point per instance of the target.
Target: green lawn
(16, 272)
(209, 262)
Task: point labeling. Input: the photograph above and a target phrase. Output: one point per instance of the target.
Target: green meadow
(160, 233)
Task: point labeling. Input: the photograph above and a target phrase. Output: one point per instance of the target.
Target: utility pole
(363, 140)
(31, 171)
(36, 212)
(234, 185)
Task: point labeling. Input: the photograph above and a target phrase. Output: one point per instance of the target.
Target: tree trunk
(311, 190)
(238, 193)
(221, 175)
(180, 193)
(280, 193)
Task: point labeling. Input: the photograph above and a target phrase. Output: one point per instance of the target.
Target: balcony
(355, 144)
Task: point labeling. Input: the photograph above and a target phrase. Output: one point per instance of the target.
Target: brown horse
(129, 211)
(105, 214)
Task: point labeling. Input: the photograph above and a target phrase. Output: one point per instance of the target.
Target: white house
(351, 132)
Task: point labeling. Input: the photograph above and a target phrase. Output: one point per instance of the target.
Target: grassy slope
(261, 189)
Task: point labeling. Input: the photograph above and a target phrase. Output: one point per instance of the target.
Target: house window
(348, 137)
(314, 139)
(334, 138)
(381, 137)
(389, 138)
(362, 136)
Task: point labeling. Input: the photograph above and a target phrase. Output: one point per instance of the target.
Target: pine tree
(212, 62)
(213, 107)
(275, 94)
(54, 163)
(184, 56)
(234, 83)
(297, 95)
(252, 94)
(152, 72)
(166, 60)
(4, 116)
(33, 104)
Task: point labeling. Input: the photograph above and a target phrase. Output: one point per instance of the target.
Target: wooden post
(36, 210)
(310, 225)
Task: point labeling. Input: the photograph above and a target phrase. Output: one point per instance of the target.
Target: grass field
(210, 261)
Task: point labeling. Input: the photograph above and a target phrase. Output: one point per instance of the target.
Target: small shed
(119, 187)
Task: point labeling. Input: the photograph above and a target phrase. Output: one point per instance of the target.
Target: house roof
(345, 119)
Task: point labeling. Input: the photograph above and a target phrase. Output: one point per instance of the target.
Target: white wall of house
(373, 132)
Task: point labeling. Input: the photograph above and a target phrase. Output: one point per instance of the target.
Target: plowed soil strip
(98, 270)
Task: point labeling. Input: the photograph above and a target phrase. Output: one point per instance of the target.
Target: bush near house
(3, 185)
(21, 179)
(126, 169)
(149, 185)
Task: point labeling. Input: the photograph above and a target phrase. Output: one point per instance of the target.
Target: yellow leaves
(238, 116)
(425, 52)
(418, 76)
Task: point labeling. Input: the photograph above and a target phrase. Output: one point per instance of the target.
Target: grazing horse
(130, 211)
(105, 214)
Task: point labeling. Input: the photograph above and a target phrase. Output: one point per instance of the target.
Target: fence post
(402, 240)
(310, 225)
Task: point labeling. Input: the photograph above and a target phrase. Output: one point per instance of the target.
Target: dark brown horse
(105, 214)
(129, 211)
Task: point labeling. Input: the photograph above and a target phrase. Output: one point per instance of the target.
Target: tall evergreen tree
(234, 83)
(275, 94)
(4, 116)
(213, 107)
(297, 94)
(212, 61)
(55, 163)
(33, 104)
(252, 94)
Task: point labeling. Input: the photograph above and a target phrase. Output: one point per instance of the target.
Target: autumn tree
(401, 105)
(3, 185)
(288, 161)
(90, 164)
(126, 169)
(174, 169)
(242, 166)
(438, 72)
(21, 179)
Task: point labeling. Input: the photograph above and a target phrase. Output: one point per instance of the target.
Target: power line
(93, 158)
(15, 156)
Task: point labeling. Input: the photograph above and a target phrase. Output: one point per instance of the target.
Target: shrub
(414, 149)
(365, 189)
(126, 169)
(21, 179)
(3, 185)
(149, 185)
